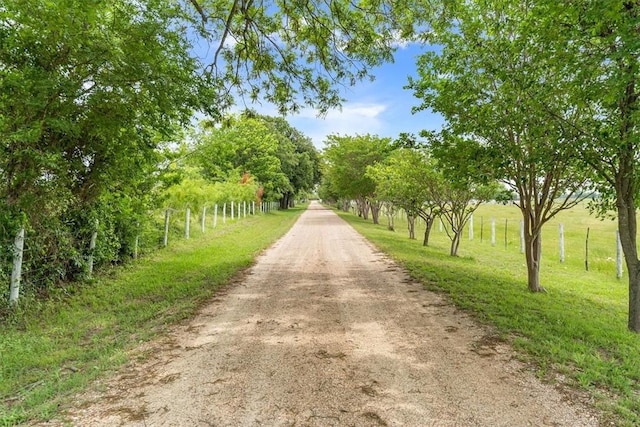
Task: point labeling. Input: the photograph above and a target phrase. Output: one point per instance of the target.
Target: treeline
(245, 158)
(382, 176)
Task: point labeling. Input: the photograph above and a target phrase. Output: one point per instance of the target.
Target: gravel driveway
(325, 330)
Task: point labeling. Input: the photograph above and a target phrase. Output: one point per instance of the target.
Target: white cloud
(353, 118)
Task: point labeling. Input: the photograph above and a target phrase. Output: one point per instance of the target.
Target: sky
(381, 107)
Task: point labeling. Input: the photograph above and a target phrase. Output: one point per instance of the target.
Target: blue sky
(381, 107)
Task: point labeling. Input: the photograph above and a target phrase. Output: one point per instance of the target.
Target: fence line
(19, 245)
(513, 234)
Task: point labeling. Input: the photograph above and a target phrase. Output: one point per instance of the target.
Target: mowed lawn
(574, 335)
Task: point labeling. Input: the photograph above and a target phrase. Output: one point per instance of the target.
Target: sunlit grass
(51, 350)
(577, 329)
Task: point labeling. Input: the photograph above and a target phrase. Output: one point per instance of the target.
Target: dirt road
(326, 331)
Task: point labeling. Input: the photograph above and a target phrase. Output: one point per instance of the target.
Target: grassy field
(574, 335)
(53, 349)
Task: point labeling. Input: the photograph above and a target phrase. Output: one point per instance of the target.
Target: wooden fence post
(16, 273)
(506, 226)
(586, 251)
(136, 241)
(244, 208)
(561, 239)
(136, 244)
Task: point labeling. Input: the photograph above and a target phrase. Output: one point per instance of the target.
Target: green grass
(50, 350)
(575, 335)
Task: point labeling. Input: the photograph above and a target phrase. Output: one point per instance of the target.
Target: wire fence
(25, 264)
(591, 244)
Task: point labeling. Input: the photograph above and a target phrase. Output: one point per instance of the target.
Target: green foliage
(299, 159)
(347, 159)
(199, 193)
(407, 179)
(245, 146)
(295, 53)
(90, 89)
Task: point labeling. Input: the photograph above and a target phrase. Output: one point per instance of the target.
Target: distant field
(602, 241)
(575, 335)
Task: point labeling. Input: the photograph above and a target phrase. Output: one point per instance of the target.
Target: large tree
(244, 145)
(299, 159)
(347, 159)
(88, 91)
(496, 86)
(596, 44)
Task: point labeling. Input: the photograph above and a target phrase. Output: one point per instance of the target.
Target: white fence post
(215, 215)
(136, 244)
(16, 273)
(187, 223)
(92, 247)
(224, 213)
(618, 255)
(471, 227)
(232, 212)
(561, 239)
(202, 220)
(253, 207)
(165, 241)
(493, 231)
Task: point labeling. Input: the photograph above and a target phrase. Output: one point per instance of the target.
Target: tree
(293, 53)
(347, 159)
(595, 44)
(495, 85)
(407, 179)
(299, 159)
(245, 145)
(462, 186)
(89, 91)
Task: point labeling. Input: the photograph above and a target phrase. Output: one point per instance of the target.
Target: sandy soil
(326, 331)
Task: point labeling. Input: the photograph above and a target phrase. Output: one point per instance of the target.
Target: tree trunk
(427, 232)
(411, 225)
(533, 254)
(285, 200)
(375, 212)
(391, 222)
(363, 208)
(628, 233)
(455, 243)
